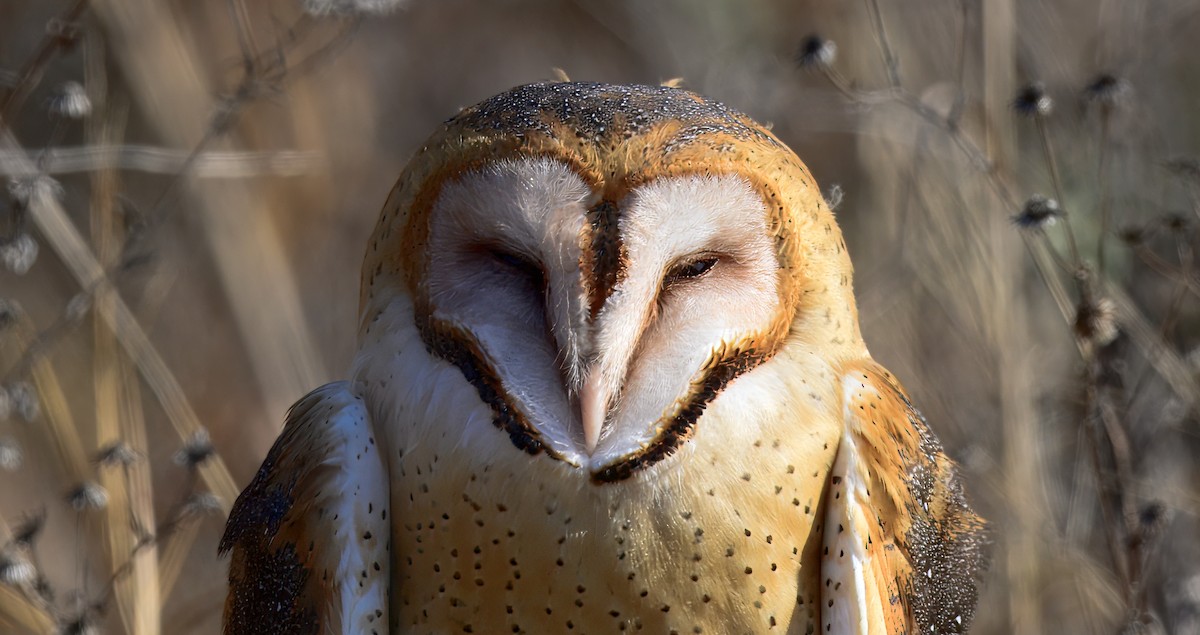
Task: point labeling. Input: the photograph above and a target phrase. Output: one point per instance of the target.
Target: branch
(212, 164)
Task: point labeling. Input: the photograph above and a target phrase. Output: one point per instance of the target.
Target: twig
(1102, 185)
(31, 74)
(272, 74)
(55, 225)
(212, 164)
(890, 62)
(1048, 153)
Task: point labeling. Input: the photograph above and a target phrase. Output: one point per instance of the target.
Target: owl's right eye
(520, 265)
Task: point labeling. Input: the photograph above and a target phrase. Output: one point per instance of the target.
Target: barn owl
(609, 379)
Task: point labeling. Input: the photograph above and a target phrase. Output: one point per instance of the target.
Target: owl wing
(310, 535)
(902, 551)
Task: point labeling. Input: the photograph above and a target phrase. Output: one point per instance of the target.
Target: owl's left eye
(690, 269)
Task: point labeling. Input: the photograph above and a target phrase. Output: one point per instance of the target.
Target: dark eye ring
(690, 269)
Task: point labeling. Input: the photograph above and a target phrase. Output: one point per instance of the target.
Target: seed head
(8, 314)
(23, 189)
(196, 450)
(1108, 90)
(28, 531)
(16, 570)
(1152, 518)
(201, 504)
(20, 190)
(70, 101)
(1039, 212)
(81, 625)
(815, 51)
(117, 454)
(1132, 235)
(78, 306)
(10, 455)
(19, 398)
(1096, 321)
(66, 33)
(88, 495)
(1032, 101)
(1175, 222)
(19, 253)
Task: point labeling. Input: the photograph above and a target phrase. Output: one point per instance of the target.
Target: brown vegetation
(190, 186)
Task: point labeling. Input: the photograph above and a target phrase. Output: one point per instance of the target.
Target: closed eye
(520, 265)
(690, 269)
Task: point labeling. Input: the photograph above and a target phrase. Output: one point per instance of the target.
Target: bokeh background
(191, 185)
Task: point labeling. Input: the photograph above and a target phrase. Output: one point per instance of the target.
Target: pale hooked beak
(593, 404)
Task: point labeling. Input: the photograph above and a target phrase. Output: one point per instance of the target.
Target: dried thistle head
(201, 504)
(117, 454)
(1032, 101)
(10, 455)
(196, 450)
(27, 532)
(1132, 235)
(1039, 212)
(16, 569)
(9, 314)
(65, 33)
(1177, 223)
(70, 101)
(815, 52)
(20, 190)
(88, 495)
(78, 306)
(1107, 90)
(1152, 519)
(20, 399)
(19, 253)
(1096, 321)
(79, 625)
(23, 189)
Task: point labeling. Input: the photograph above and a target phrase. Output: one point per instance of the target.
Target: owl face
(601, 263)
(513, 263)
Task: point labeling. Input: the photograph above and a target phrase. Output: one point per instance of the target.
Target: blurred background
(190, 186)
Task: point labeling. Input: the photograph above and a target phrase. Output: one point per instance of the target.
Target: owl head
(600, 262)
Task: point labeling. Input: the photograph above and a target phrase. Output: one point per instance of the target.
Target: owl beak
(593, 404)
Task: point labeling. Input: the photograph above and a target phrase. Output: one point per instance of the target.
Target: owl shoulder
(309, 534)
(904, 552)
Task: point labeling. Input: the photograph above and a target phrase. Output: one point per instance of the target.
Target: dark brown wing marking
(309, 535)
(903, 551)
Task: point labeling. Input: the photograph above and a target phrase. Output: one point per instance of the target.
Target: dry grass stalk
(60, 428)
(174, 555)
(166, 72)
(118, 410)
(1095, 320)
(16, 612)
(48, 214)
(18, 608)
(154, 160)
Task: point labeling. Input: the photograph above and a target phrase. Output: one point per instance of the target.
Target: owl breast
(721, 538)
